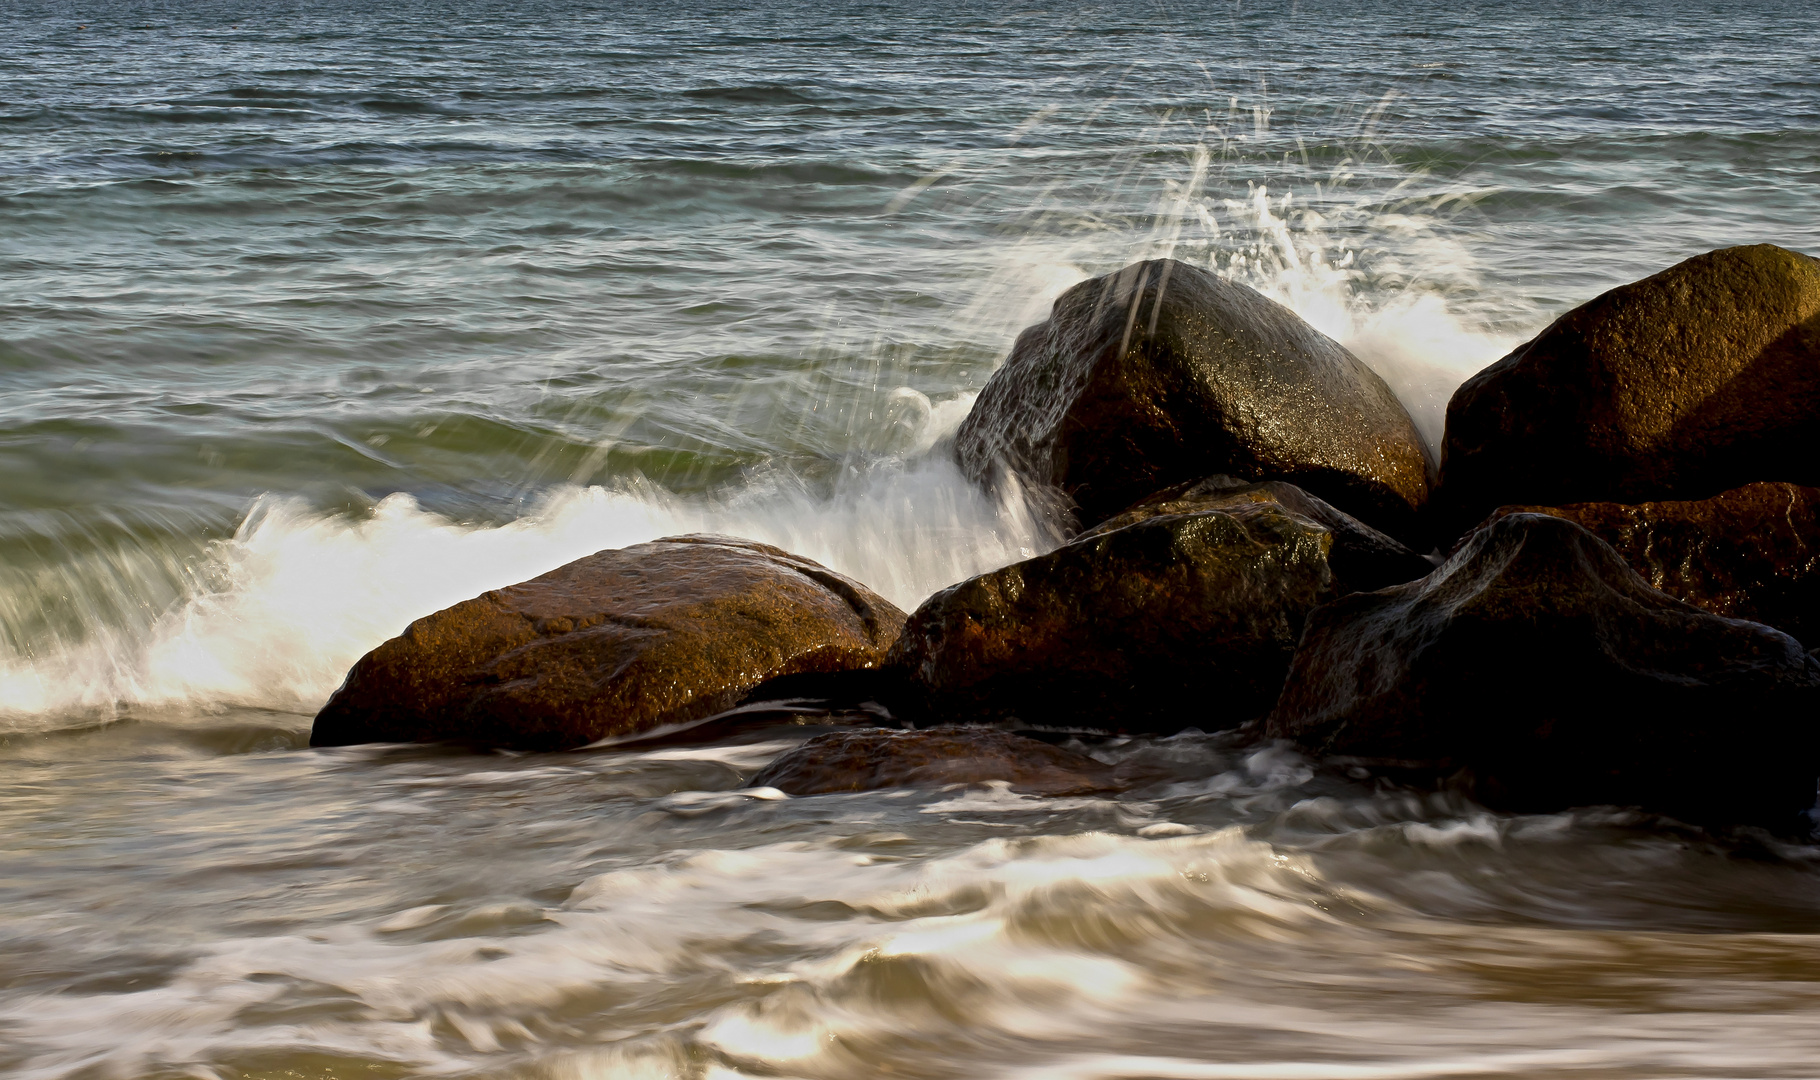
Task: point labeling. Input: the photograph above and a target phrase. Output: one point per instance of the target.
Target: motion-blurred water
(316, 319)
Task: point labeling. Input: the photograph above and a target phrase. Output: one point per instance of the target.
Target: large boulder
(1699, 379)
(1548, 674)
(874, 758)
(1163, 373)
(1750, 553)
(620, 642)
(1181, 618)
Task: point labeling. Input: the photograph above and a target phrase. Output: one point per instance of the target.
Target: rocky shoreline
(1630, 504)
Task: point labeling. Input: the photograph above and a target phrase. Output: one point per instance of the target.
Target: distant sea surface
(317, 318)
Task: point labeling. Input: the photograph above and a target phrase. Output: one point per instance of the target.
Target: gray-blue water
(314, 319)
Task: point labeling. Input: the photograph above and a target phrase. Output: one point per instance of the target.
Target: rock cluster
(1630, 503)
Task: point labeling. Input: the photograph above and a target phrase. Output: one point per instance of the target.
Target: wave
(276, 614)
(1187, 950)
(272, 617)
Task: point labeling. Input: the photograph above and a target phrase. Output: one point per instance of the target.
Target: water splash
(276, 614)
(273, 616)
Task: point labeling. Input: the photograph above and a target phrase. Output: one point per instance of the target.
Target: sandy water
(314, 320)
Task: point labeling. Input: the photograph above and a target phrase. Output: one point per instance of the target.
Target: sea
(318, 315)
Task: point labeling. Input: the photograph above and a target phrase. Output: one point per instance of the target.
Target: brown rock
(1699, 379)
(874, 758)
(1171, 621)
(620, 642)
(1361, 557)
(1751, 553)
(1164, 373)
(1540, 666)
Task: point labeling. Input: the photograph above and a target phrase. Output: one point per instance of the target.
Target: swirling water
(315, 319)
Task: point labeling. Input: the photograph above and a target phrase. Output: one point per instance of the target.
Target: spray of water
(273, 616)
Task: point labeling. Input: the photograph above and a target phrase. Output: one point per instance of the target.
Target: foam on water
(273, 617)
(976, 930)
(297, 596)
(1085, 954)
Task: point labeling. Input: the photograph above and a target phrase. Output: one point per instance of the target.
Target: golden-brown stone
(619, 642)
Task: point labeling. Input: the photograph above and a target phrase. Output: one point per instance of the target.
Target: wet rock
(1750, 553)
(1699, 379)
(1164, 373)
(1543, 669)
(1171, 621)
(875, 758)
(1361, 557)
(621, 642)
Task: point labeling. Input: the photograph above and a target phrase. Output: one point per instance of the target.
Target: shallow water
(315, 320)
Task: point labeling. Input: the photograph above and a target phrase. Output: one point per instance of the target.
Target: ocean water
(317, 318)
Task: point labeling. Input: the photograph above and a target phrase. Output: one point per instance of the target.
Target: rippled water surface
(316, 319)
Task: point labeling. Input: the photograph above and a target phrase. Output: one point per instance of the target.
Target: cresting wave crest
(273, 617)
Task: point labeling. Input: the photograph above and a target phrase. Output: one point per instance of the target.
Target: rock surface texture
(1170, 621)
(1699, 379)
(1545, 669)
(1164, 373)
(620, 642)
(875, 758)
(1750, 553)
(1361, 557)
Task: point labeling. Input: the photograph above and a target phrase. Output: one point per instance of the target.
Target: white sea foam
(1087, 955)
(297, 596)
(975, 925)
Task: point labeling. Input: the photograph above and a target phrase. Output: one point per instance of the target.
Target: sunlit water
(314, 321)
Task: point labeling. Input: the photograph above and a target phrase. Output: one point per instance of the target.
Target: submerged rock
(1361, 557)
(1168, 621)
(1163, 373)
(1540, 666)
(876, 758)
(620, 642)
(1701, 378)
(1750, 553)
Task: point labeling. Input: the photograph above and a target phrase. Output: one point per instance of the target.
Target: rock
(1700, 379)
(874, 758)
(1750, 553)
(1361, 557)
(620, 642)
(1171, 621)
(1164, 373)
(1545, 670)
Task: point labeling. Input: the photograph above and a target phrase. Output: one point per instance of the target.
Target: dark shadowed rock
(1361, 557)
(1751, 553)
(1702, 378)
(1171, 621)
(1539, 664)
(620, 642)
(876, 758)
(1164, 373)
